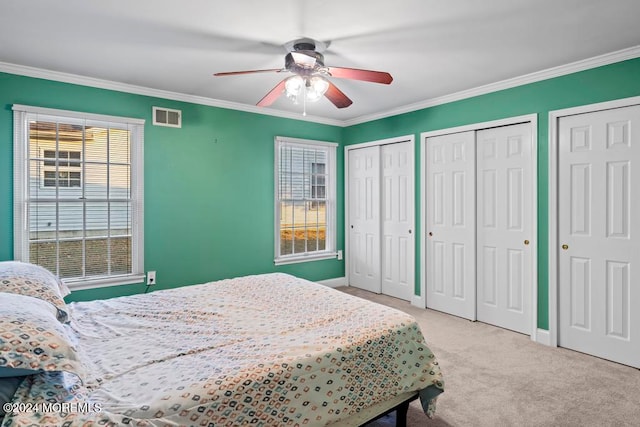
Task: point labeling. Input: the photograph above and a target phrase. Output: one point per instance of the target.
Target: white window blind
(79, 195)
(305, 203)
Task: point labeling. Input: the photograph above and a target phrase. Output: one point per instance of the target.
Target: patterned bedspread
(267, 350)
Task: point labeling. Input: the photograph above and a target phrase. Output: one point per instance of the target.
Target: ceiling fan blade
(235, 73)
(336, 96)
(356, 74)
(273, 94)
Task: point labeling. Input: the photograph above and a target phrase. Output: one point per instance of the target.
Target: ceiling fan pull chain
(304, 100)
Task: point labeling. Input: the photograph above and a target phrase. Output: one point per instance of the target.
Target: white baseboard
(334, 283)
(418, 301)
(543, 337)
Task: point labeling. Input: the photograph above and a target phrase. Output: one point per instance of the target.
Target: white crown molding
(157, 93)
(573, 67)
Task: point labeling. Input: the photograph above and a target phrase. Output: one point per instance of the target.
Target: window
(318, 187)
(305, 205)
(78, 194)
(63, 170)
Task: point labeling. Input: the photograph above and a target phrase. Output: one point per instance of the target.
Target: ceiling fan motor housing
(308, 60)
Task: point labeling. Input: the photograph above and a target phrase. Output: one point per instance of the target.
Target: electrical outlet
(151, 278)
(339, 255)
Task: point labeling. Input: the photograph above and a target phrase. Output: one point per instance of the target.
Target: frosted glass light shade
(316, 88)
(310, 88)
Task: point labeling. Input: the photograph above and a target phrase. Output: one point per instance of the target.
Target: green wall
(619, 80)
(208, 186)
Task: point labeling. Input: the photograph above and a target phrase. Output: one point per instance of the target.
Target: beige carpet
(495, 377)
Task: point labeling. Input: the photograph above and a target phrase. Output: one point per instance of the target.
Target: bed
(265, 350)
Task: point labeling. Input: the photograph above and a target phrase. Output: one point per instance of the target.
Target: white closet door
(398, 244)
(451, 234)
(598, 223)
(364, 218)
(504, 226)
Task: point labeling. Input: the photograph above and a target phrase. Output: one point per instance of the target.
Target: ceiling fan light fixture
(293, 87)
(316, 88)
(309, 89)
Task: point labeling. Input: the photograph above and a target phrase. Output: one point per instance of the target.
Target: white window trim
(331, 230)
(21, 114)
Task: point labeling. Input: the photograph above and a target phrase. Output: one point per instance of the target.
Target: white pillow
(32, 280)
(32, 338)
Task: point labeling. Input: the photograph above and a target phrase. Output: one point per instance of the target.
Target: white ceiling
(432, 48)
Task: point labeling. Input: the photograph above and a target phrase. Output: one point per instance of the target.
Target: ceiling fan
(309, 82)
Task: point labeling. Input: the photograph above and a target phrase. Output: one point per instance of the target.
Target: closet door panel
(504, 226)
(450, 224)
(364, 219)
(397, 198)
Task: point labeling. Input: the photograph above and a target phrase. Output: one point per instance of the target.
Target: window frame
(315, 181)
(22, 115)
(61, 168)
(330, 184)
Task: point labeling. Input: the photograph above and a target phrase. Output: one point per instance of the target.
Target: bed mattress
(266, 350)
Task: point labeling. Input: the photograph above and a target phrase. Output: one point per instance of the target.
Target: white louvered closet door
(599, 219)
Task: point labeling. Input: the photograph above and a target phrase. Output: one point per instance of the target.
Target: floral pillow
(32, 338)
(34, 281)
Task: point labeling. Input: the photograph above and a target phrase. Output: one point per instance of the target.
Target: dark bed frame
(401, 412)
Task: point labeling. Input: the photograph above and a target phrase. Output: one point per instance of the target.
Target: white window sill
(305, 258)
(103, 282)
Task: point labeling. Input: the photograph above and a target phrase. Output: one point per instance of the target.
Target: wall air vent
(167, 117)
